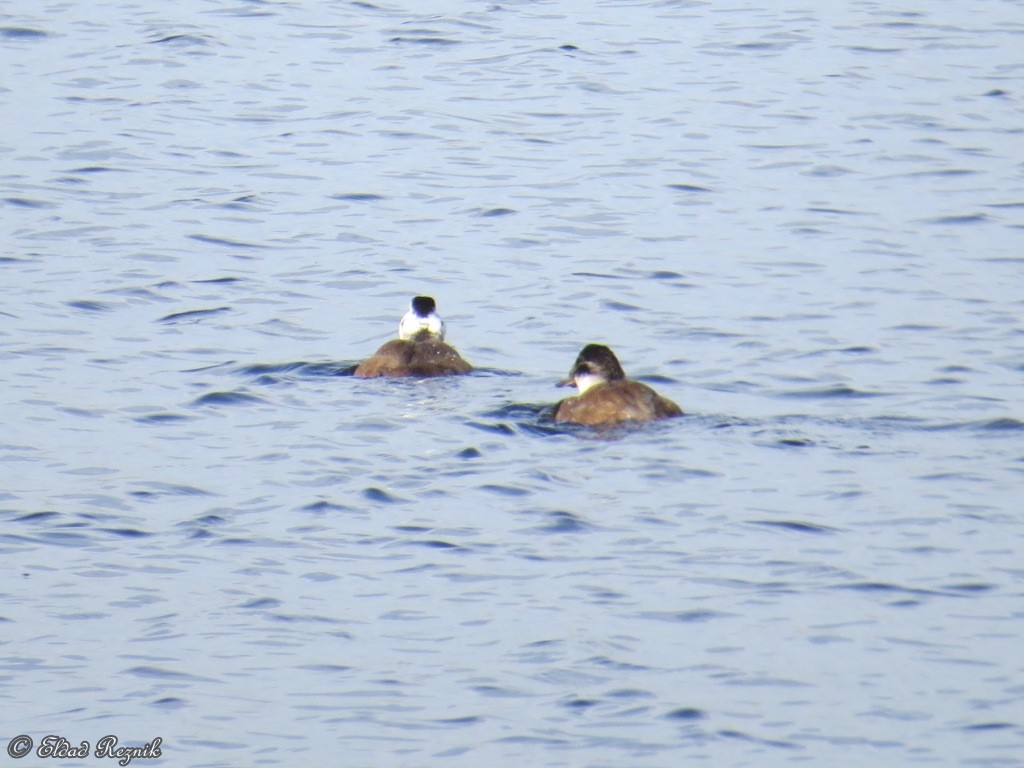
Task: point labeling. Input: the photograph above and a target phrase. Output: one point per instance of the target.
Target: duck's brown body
(616, 401)
(423, 356)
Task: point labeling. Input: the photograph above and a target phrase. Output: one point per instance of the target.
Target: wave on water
(192, 315)
(22, 33)
(795, 526)
(840, 391)
(227, 398)
(274, 373)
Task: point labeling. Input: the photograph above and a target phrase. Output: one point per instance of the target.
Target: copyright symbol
(19, 746)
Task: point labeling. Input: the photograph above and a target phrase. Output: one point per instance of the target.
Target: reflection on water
(800, 225)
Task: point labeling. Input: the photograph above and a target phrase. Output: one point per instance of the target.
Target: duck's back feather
(616, 401)
(424, 357)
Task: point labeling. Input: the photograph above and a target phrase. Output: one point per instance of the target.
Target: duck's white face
(584, 380)
(412, 324)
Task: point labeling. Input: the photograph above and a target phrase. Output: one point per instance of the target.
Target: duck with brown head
(419, 350)
(606, 396)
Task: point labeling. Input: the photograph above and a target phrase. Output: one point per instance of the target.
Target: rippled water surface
(802, 223)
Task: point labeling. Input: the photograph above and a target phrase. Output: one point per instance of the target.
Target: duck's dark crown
(598, 360)
(422, 306)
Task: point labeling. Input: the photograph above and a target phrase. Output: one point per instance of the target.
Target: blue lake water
(803, 224)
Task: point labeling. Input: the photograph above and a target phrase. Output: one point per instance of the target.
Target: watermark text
(60, 748)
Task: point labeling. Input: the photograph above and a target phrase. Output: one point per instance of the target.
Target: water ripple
(796, 527)
(22, 33)
(192, 315)
(226, 398)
